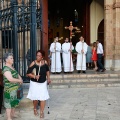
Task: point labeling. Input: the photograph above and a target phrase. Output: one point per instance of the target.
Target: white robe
(56, 58)
(66, 57)
(81, 58)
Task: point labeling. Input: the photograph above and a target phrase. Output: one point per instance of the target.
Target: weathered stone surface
(76, 104)
(112, 34)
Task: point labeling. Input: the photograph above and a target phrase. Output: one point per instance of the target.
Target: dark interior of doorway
(65, 9)
(100, 35)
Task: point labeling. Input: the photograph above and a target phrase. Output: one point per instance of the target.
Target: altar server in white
(67, 48)
(81, 48)
(55, 49)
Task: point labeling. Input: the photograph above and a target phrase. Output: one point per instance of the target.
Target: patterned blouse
(10, 89)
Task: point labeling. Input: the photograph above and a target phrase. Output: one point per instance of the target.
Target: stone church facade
(112, 34)
(111, 16)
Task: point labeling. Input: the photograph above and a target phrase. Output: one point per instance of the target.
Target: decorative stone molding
(108, 7)
(116, 5)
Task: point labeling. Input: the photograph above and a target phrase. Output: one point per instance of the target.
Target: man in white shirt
(67, 48)
(100, 55)
(55, 49)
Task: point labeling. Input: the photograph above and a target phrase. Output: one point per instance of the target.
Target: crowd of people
(39, 73)
(86, 55)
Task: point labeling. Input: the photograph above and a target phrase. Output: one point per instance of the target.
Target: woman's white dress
(38, 91)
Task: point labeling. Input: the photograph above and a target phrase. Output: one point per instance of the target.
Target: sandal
(35, 112)
(41, 114)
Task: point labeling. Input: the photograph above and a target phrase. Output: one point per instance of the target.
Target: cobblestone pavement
(76, 104)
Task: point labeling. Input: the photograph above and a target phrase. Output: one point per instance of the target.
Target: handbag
(20, 92)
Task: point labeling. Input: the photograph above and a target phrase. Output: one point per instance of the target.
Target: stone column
(44, 5)
(109, 41)
(116, 34)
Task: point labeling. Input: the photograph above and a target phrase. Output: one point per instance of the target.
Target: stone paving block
(83, 76)
(91, 85)
(113, 75)
(87, 118)
(101, 85)
(114, 85)
(59, 87)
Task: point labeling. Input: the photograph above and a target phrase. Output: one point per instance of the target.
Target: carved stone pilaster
(116, 34)
(108, 7)
(109, 41)
(116, 5)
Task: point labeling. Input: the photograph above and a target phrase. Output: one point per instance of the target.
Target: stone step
(83, 80)
(79, 80)
(84, 83)
(66, 76)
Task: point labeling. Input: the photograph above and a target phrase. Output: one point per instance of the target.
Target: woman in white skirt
(38, 71)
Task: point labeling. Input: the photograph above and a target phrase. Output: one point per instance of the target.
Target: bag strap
(39, 68)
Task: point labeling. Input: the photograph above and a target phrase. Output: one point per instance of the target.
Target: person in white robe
(81, 48)
(67, 48)
(55, 49)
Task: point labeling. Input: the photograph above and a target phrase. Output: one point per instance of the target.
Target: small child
(94, 55)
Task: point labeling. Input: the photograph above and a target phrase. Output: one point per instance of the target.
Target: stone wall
(112, 34)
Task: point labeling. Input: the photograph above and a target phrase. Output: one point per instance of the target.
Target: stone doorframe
(112, 34)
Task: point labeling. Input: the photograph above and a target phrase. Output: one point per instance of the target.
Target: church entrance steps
(92, 84)
(85, 80)
(91, 79)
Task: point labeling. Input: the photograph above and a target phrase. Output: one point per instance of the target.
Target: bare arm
(30, 75)
(20, 77)
(8, 75)
(48, 74)
(48, 77)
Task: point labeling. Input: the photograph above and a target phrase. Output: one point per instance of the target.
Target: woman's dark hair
(98, 41)
(42, 52)
(94, 44)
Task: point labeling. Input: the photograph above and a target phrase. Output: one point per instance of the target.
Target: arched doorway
(100, 32)
(100, 35)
